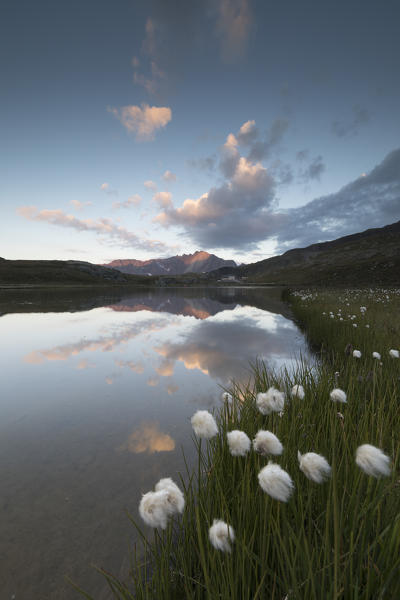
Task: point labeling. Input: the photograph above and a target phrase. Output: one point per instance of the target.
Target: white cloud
(108, 231)
(79, 205)
(134, 200)
(163, 199)
(150, 185)
(169, 177)
(143, 121)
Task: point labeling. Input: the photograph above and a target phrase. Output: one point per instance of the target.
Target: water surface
(97, 395)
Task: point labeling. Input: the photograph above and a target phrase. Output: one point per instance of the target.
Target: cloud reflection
(100, 344)
(223, 350)
(148, 438)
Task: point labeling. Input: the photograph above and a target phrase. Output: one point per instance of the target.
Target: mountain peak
(198, 262)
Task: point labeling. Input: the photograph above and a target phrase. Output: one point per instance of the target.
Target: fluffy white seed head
(376, 355)
(226, 397)
(204, 424)
(356, 353)
(238, 442)
(372, 460)
(314, 466)
(270, 401)
(276, 482)
(153, 508)
(266, 442)
(394, 353)
(338, 395)
(221, 535)
(298, 392)
(175, 497)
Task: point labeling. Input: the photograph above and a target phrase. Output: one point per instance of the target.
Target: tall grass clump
(336, 532)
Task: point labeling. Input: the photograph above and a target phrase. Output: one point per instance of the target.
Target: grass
(337, 540)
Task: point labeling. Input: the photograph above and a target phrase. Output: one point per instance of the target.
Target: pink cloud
(143, 121)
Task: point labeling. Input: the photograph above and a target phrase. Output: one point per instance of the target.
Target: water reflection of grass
(340, 539)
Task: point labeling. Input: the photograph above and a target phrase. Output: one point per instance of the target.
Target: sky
(144, 129)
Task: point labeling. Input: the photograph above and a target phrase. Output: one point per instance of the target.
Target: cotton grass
(356, 353)
(221, 535)
(153, 509)
(270, 401)
(298, 392)
(266, 442)
(372, 461)
(276, 482)
(238, 442)
(314, 466)
(394, 353)
(204, 424)
(338, 395)
(175, 497)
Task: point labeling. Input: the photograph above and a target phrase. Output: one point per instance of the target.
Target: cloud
(150, 185)
(79, 205)
(163, 199)
(169, 177)
(108, 231)
(243, 211)
(235, 214)
(359, 118)
(134, 200)
(313, 171)
(207, 163)
(106, 343)
(105, 187)
(233, 27)
(262, 148)
(143, 121)
(371, 200)
(148, 438)
(222, 349)
(135, 367)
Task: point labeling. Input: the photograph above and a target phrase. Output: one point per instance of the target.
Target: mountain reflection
(148, 438)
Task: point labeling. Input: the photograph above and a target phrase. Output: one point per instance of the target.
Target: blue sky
(257, 126)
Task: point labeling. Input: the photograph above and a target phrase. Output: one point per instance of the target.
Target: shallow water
(96, 399)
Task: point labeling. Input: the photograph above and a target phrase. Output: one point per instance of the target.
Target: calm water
(96, 398)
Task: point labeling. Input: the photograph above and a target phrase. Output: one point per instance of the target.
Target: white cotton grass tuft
(238, 442)
(204, 424)
(266, 442)
(376, 355)
(356, 353)
(227, 397)
(372, 461)
(394, 353)
(221, 535)
(338, 395)
(276, 482)
(298, 392)
(175, 497)
(153, 508)
(270, 401)
(314, 466)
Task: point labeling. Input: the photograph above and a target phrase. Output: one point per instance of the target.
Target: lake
(97, 393)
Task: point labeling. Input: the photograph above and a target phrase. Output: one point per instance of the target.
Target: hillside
(371, 257)
(60, 272)
(198, 262)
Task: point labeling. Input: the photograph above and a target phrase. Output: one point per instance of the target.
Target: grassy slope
(58, 272)
(336, 540)
(368, 258)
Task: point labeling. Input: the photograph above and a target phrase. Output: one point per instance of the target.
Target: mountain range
(198, 262)
(371, 257)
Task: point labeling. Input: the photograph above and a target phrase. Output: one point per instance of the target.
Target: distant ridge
(198, 262)
(371, 257)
